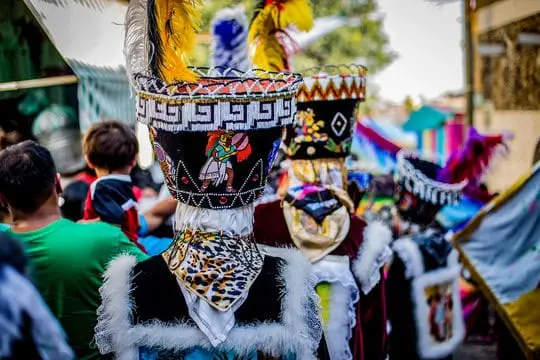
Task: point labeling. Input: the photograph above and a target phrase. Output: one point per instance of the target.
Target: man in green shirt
(68, 259)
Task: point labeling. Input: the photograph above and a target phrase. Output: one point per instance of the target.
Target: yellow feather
(266, 52)
(293, 12)
(177, 23)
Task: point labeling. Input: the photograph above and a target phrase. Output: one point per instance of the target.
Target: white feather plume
(136, 42)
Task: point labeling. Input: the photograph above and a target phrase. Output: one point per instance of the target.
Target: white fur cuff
(373, 254)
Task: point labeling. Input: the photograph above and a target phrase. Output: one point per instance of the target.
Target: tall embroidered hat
(229, 39)
(217, 139)
(419, 194)
(215, 132)
(327, 102)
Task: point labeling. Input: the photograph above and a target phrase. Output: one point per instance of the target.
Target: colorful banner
(376, 144)
(440, 131)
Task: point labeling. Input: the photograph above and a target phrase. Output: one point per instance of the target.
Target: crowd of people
(68, 237)
(68, 258)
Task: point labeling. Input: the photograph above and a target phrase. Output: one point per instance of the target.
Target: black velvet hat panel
(429, 169)
(322, 130)
(217, 169)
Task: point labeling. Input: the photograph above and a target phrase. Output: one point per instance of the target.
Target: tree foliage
(409, 105)
(364, 42)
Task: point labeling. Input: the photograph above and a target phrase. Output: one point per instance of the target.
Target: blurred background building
(507, 79)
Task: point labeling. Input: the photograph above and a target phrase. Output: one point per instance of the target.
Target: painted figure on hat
(222, 147)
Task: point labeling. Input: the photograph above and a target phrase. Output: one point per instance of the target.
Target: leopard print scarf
(218, 268)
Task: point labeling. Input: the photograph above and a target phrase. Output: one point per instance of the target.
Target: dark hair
(74, 196)
(10, 138)
(110, 145)
(27, 176)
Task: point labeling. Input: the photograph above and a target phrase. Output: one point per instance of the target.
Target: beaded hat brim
(415, 177)
(222, 99)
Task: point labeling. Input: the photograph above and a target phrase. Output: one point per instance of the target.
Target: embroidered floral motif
(308, 129)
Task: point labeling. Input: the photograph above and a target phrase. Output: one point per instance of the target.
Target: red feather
(244, 154)
(278, 3)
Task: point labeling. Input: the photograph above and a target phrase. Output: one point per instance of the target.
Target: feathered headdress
(473, 160)
(475, 157)
(229, 45)
(160, 36)
(267, 48)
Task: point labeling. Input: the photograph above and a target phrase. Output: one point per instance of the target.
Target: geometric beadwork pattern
(333, 83)
(419, 195)
(339, 124)
(251, 189)
(222, 99)
(208, 116)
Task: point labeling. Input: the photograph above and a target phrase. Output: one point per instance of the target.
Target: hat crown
(327, 103)
(216, 139)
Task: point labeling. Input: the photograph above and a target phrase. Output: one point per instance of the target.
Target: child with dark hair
(111, 149)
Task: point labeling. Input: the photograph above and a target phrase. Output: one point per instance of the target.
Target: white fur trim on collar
(411, 257)
(114, 313)
(299, 331)
(373, 254)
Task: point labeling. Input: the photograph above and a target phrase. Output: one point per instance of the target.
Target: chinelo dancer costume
(314, 213)
(424, 305)
(215, 132)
